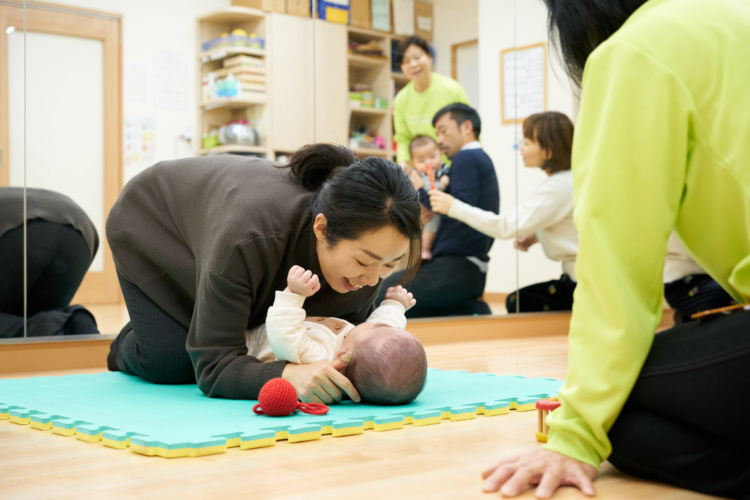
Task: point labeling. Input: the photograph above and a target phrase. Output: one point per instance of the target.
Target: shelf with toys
(224, 52)
(234, 102)
(232, 72)
(370, 92)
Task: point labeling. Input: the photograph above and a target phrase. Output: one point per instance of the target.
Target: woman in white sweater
(545, 217)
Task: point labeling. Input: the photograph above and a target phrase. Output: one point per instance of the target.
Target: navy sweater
(473, 181)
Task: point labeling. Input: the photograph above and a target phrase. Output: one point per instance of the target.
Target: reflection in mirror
(129, 93)
(72, 168)
(513, 35)
(12, 159)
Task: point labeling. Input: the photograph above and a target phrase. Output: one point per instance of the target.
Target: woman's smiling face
(416, 63)
(350, 265)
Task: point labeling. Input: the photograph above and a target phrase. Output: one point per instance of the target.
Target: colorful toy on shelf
(237, 38)
(238, 132)
(228, 87)
(544, 406)
(211, 139)
(361, 139)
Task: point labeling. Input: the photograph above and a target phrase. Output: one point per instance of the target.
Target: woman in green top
(426, 93)
(661, 145)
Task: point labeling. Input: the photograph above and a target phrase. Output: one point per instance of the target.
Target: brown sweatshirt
(47, 205)
(210, 240)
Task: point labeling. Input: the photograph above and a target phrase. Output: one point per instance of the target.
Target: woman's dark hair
(579, 27)
(357, 197)
(554, 133)
(461, 112)
(407, 42)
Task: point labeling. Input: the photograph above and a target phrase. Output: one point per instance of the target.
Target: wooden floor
(434, 462)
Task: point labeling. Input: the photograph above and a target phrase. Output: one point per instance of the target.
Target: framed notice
(523, 82)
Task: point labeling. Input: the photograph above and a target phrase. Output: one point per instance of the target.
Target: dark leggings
(447, 285)
(686, 420)
(58, 258)
(152, 344)
(695, 293)
(555, 295)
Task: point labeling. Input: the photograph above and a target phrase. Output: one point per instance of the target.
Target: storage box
(253, 4)
(360, 14)
(267, 5)
(298, 7)
(423, 20)
(380, 15)
(274, 6)
(334, 11)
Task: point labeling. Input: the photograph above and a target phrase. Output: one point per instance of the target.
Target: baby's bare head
(389, 365)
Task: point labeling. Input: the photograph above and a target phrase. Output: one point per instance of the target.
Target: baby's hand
(444, 182)
(302, 282)
(400, 294)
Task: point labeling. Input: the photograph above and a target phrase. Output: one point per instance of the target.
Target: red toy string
(278, 398)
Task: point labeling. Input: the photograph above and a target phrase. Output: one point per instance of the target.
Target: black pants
(152, 344)
(695, 293)
(57, 259)
(447, 285)
(686, 421)
(555, 295)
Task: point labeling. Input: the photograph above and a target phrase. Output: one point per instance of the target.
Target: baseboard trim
(46, 354)
(477, 328)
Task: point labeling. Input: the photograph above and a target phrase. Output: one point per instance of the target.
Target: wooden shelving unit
(374, 71)
(251, 106)
(368, 111)
(372, 152)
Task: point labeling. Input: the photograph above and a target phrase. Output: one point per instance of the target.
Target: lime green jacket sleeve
(629, 167)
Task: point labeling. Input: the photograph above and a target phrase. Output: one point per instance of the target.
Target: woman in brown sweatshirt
(202, 244)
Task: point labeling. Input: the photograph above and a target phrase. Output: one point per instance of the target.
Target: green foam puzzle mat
(122, 411)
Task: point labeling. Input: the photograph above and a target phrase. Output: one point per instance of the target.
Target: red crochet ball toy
(278, 398)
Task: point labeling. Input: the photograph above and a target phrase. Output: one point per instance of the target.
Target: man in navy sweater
(452, 282)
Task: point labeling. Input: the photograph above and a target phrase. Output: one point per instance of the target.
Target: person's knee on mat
(164, 367)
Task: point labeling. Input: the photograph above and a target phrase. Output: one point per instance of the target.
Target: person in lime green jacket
(662, 143)
(424, 95)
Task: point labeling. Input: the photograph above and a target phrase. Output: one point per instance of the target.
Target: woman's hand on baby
(302, 282)
(322, 381)
(547, 469)
(440, 202)
(402, 295)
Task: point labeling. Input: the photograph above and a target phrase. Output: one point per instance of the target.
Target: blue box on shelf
(335, 11)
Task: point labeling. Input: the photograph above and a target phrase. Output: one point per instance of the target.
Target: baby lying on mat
(388, 366)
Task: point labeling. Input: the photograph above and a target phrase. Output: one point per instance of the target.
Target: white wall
(151, 27)
(498, 30)
(455, 22)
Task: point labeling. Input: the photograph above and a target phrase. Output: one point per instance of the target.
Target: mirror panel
(160, 89)
(12, 161)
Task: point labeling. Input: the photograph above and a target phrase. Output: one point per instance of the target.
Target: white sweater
(678, 263)
(291, 336)
(548, 212)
